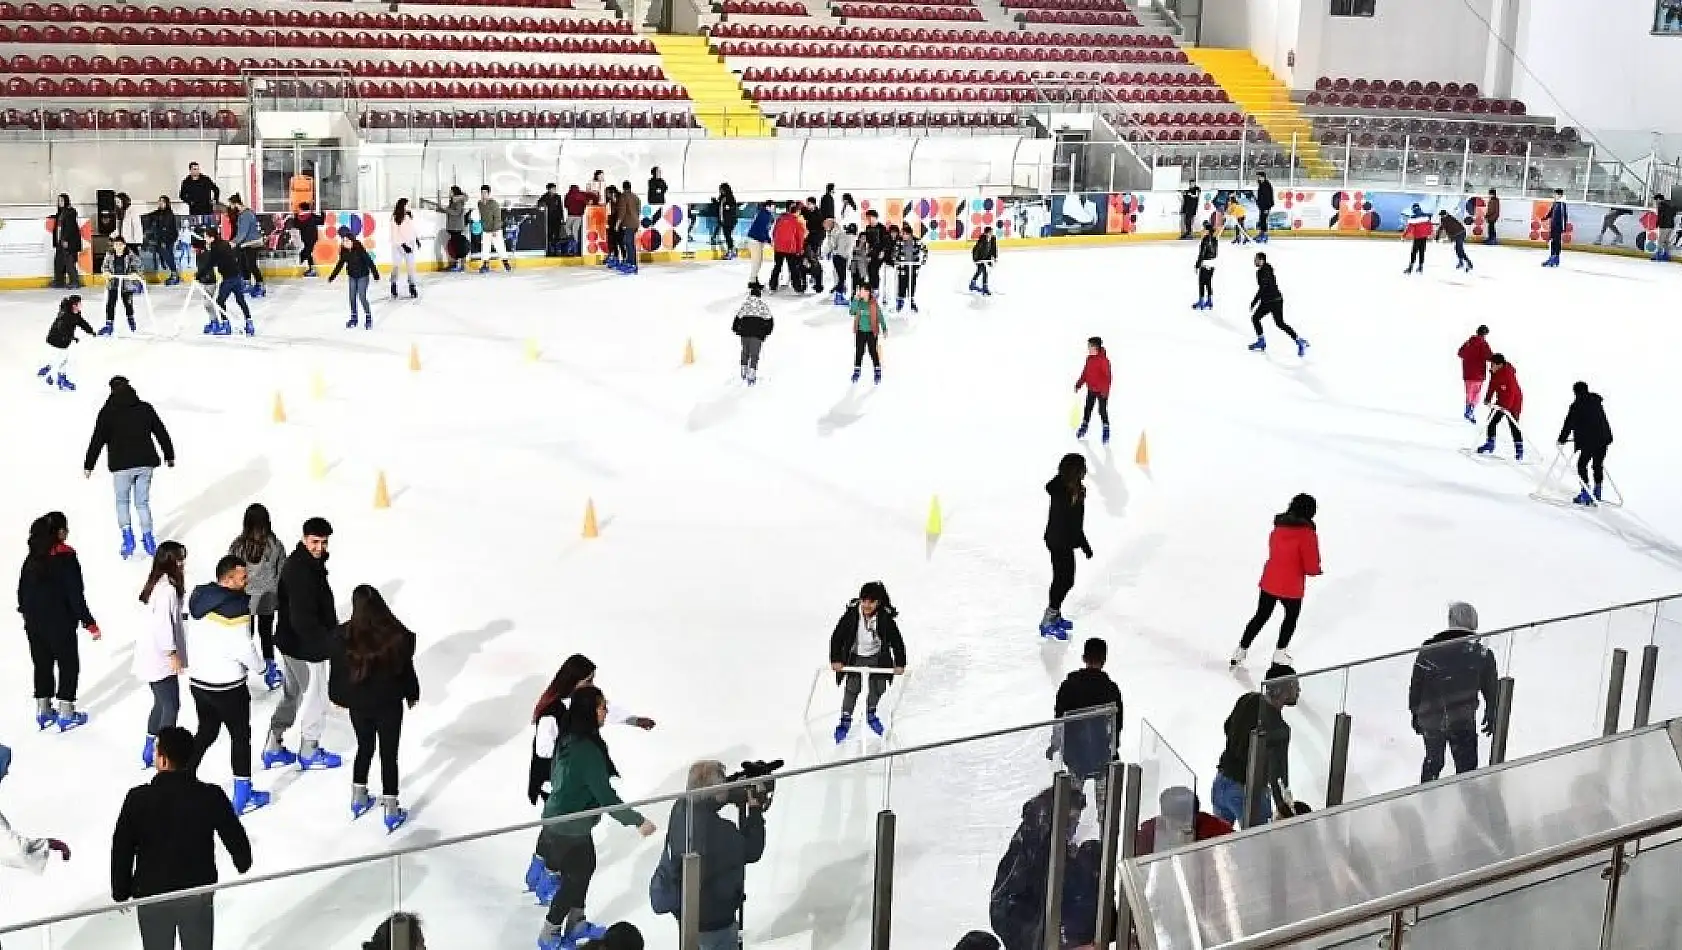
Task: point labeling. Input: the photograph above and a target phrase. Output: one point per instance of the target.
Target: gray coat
(263, 574)
(455, 213)
(490, 215)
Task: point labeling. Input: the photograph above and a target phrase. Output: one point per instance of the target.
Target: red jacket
(1504, 389)
(1204, 827)
(788, 235)
(1474, 359)
(1293, 556)
(1096, 374)
(1419, 230)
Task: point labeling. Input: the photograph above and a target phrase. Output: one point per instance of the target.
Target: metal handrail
(396, 853)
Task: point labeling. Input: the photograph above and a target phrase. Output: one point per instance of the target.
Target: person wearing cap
(122, 279)
(1258, 711)
(130, 433)
(1449, 674)
(867, 635)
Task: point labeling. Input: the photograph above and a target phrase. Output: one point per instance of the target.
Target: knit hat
(1462, 616)
(978, 940)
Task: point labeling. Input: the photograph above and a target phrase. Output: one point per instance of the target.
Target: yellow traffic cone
(532, 351)
(590, 519)
(318, 465)
(414, 358)
(934, 517)
(1074, 414)
(382, 497)
(1142, 454)
(279, 408)
(689, 352)
(318, 386)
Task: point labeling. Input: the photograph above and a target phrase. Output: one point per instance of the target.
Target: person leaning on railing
(1263, 711)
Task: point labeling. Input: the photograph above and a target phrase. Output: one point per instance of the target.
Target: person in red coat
(1183, 821)
(1095, 376)
(1474, 368)
(1504, 391)
(1293, 556)
(788, 240)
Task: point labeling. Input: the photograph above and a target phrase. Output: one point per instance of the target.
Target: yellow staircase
(1266, 100)
(720, 103)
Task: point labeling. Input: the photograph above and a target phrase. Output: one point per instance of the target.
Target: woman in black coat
(1065, 533)
(867, 635)
(67, 245)
(52, 602)
(371, 672)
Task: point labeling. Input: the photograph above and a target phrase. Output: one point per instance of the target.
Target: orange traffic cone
(1142, 454)
(279, 408)
(382, 496)
(590, 530)
(689, 352)
(414, 358)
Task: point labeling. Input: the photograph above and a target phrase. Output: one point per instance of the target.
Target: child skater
(1474, 368)
(1293, 556)
(63, 333)
(1207, 250)
(1235, 212)
(121, 267)
(911, 256)
(753, 324)
(355, 260)
(1095, 376)
(867, 635)
(985, 254)
(868, 329)
(1504, 391)
(1418, 230)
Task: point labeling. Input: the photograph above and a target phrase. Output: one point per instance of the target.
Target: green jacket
(490, 216)
(578, 781)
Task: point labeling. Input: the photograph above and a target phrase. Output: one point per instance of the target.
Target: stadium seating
(1395, 95)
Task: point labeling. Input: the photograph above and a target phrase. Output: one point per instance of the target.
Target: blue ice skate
(1106, 434)
(318, 758)
(131, 327)
(1597, 493)
(65, 384)
(1584, 498)
(1518, 451)
(914, 307)
(874, 723)
(1471, 415)
(354, 319)
(1487, 447)
(856, 372)
(1065, 623)
(246, 798)
(395, 818)
(548, 885)
(1260, 346)
(223, 328)
(899, 304)
(484, 267)
(974, 288)
(986, 292)
(843, 727)
(272, 678)
(250, 328)
(1302, 346)
(258, 290)
(361, 803)
(1080, 431)
(69, 718)
(278, 756)
(507, 265)
(310, 271)
(878, 375)
(148, 544)
(46, 371)
(172, 280)
(127, 550)
(534, 873)
(148, 751)
(44, 715)
(840, 299)
(108, 329)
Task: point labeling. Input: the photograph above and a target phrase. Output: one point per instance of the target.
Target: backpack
(665, 888)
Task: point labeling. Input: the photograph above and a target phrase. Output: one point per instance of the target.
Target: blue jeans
(726, 939)
(235, 288)
(1227, 798)
(629, 249)
(359, 291)
(135, 483)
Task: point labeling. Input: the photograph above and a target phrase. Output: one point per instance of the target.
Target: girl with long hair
(580, 779)
(371, 672)
(576, 672)
(52, 602)
(263, 555)
(1065, 533)
(160, 649)
(405, 238)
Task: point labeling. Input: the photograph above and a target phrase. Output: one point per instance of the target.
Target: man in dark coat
(875, 238)
(1190, 199)
(201, 193)
(165, 841)
(1586, 426)
(1016, 906)
(1449, 674)
(554, 220)
(126, 429)
(306, 620)
(726, 850)
(1264, 205)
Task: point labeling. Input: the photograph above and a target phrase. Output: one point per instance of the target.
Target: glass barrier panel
(1559, 672)
(1667, 636)
(1646, 914)
(1322, 696)
(1169, 795)
(1376, 167)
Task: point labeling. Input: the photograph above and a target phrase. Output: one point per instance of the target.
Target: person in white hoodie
(18, 851)
(405, 243)
(160, 648)
(219, 642)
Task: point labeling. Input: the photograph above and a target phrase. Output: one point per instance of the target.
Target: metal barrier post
(689, 927)
(1121, 817)
(1341, 725)
(1252, 777)
(1062, 793)
(1613, 875)
(882, 897)
(1644, 685)
(1503, 720)
(1398, 931)
(1615, 693)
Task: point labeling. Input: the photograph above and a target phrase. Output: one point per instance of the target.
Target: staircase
(720, 103)
(1266, 100)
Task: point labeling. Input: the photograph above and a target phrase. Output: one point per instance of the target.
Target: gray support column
(882, 896)
(1644, 685)
(1503, 720)
(1615, 693)
(1252, 777)
(1341, 724)
(689, 927)
(1062, 794)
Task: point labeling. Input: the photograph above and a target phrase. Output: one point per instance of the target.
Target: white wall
(1268, 28)
(1407, 39)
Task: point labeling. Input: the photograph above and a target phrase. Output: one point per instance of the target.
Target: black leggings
(1512, 424)
(1416, 257)
(1103, 404)
(53, 651)
(264, 628)
(383, 727)
(1062, 575)
(1593, 456)
(306, 256)
(573, 857)
(248, 260)
(727, 230)
(1206, 283)
(225, 707)
(114, 290)
(981, 269)
(1276, 310)
(863, 342)
(1264, 610)
(907, 282)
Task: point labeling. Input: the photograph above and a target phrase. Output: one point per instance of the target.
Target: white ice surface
(736, 523)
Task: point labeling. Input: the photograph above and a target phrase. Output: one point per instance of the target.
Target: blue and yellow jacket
(219, 638)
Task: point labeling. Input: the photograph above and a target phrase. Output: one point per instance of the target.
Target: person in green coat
(579, 782)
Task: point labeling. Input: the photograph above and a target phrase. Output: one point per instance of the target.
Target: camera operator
(726, 850)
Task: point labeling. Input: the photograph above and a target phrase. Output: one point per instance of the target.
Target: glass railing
(958, 810)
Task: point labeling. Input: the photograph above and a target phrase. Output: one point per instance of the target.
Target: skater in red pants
(1474, 368)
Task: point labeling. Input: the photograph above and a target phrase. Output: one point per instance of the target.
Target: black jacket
(125, 429)
(1190, 199)
(161, 227)
(63, 331)
(383, 688)
(67, 231)
(1264, 195)
(1447, 680)
(1065, 522)
(1586, 425)
(657, 191)
(814, 226)
(50, 593)
(826, 205)
(356, 261)
(308, 224)
(728, 209)
(1208, 248)
(219, 262)
(1666, 213)
(986, 249)
(726, 850)
(163, 841)
(875, 237)
(200, 194)
(1267, 286)
(1090, 744)
(553, 205)
(843, 643)
(1251, 711)
(307, 616)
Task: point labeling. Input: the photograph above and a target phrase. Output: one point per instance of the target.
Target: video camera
(762, 791)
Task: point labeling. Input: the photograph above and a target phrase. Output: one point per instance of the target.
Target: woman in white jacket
(405, 243)
(17, 851)
(160, 649)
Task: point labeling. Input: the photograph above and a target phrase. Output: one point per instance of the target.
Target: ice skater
(985, 254)
(909, 258)
(1207, 250)
(1610, 223)
(359, 266)
(1264, 206)
(122, 282)
(1474, 368)
(307, 223)
(492, 240)
(1418, 230)
(263, 555)
(1558, 216)
(52, 601)
(841, 244)
(160, 649)
(222, 658)
(1664, 211)
(307, 619)
(60, 336)
(753, 323)
(371, 673)
(1095, 376)
(1065, 533)
(126, 429)
(1293, 556)
(1586, 427)
(1508, 398)
(759, 236)
(248, 238)
(405, 237)
(868, 636)
(219, 265)
(868, 331)
(1235, 213)
(1451, 227)
(1269, 302)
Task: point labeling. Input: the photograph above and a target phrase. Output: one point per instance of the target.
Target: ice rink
(736, 523)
